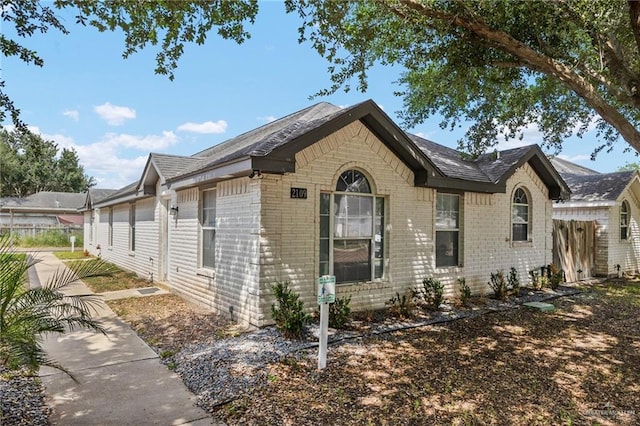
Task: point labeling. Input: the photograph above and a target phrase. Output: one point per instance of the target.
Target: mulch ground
(577, 365)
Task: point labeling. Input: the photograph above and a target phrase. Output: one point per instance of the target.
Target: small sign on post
(326, 295)
(73, 242)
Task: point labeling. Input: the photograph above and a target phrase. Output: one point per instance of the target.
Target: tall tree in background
(499, 64)
(29, 164)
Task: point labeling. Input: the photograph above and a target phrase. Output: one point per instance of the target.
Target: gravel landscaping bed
(227, 369)
(22, 400)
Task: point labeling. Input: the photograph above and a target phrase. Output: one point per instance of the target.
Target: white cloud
(219, 126)
(72, 114)
(531, 135)
(266, 118)
(143, 143)
(114, 115)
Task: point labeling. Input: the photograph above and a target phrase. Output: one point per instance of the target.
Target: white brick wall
(264, 236)
(289, 233)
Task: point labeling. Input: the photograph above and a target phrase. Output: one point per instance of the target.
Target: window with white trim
(110, 235)
(352, 223)
(132, 227)
(208, 228)
(624, 220)
(447, 230)
(520, 215)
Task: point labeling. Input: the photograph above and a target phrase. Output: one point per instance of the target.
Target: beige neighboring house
(612, 200)
(40, 211)
(327, 190)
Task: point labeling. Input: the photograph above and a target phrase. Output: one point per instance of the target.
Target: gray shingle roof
(490, 167)
(98, 194)
(172, 165)
(565, 167)
(598, 187)
(264, 139)
(449, 161)
(47, 200)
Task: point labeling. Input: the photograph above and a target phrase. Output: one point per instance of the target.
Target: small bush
(465, 291)
(538, 282)
(499, 285)
(557, 277)
(402, 305)
(514, 282)
(339, 312)
(289, 315)
(432, 292)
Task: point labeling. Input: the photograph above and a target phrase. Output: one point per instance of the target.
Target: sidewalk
(121, 380)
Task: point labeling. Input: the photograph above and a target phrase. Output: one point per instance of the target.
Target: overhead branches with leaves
(564, 65)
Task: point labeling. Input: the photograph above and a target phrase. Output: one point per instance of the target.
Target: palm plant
(28, 313)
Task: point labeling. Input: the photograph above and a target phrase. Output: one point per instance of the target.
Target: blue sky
(113, 112)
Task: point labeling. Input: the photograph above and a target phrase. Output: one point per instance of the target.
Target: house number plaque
(299, 193)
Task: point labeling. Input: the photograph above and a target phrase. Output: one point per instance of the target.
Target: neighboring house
(333, 191)
(41, 210)
(612, 200)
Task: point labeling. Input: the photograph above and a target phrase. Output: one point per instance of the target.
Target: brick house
(327, 190)
(612, 201)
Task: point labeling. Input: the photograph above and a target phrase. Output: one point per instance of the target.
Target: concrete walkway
(121, 380)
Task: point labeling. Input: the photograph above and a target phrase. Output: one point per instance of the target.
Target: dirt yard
(578, 365)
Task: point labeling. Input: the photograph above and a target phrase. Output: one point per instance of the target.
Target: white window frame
(449, 229)
(110, 231)
(207, 227)
(376, 274)
(624, 220)
(513, 221)
(132, 227)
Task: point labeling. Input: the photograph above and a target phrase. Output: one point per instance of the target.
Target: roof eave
(558, 188)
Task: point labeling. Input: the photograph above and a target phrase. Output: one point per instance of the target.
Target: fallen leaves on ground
(577, 365)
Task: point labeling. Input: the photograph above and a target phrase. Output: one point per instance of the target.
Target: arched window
(624, 221)
(352, 232)
(520, 215)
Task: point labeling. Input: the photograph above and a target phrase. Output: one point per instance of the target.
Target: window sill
(204, 272)
(132, 253)
(448, 269)
(522, 243)
(363, 283)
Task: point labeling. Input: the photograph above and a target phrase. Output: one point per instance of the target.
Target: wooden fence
(574, 248)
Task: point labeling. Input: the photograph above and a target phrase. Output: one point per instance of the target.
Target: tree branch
(539, 63)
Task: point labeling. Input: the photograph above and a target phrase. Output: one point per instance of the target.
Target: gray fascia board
(240, 167)
(443, 183)
(395, 139)
(120, 200)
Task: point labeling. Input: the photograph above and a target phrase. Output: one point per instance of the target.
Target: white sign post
(73, 242)
(326, 295)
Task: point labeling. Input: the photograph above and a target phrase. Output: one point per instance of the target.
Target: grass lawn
(579, 365)
(70, 255)
(118, 279)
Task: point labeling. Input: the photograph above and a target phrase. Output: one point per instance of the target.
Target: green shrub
(499, 285)
(402, 304)
(514, 282)
(339, 312)
(465, 291)
(432, 292)
(557, 277)
(538, 282)
(289, 314)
